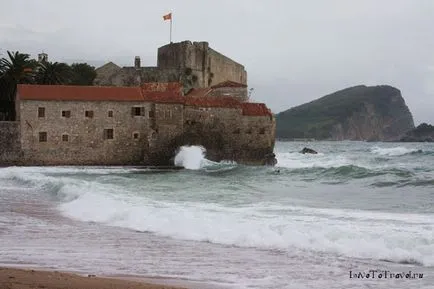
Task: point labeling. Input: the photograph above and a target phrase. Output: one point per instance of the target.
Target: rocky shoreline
(422, 133)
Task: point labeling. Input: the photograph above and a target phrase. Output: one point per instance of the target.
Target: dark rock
(308, 151)
(423, 133)
(270, 159)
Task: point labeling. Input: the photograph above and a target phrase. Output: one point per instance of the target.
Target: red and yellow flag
(167, 16)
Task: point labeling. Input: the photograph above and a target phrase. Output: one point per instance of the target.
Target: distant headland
(366, 113)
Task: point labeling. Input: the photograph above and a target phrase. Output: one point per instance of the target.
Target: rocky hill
(373, 113)
(422, 133)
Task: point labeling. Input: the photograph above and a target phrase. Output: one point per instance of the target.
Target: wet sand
(13, 278)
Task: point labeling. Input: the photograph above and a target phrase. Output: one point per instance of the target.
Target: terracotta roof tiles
(199, 92)
(255, 109)
(104, 93)
(228, 83)
(174, 87)
(81, 93)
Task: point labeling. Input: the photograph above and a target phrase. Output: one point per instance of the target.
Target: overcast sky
(293, 51)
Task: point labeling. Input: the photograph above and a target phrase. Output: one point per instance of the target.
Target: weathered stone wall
(105, 73)
(167, 125)
(86, 143)
(221, 68)
(130, 76)
(194, 64)
(10, 146)
(150, 138)
(239, 93)
(154, 74)
(209, 66)
(256, 139)
(228, 135)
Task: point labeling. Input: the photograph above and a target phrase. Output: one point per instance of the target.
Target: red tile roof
(86, 93)
(255, 109)
(228, 83)
(199, 92)
(102, 93)
(111, 93)
(174, 87)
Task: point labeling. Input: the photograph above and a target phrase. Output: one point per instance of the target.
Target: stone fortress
(143, 115)
(194, 65)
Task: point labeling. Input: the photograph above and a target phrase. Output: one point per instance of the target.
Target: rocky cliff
(375, 113)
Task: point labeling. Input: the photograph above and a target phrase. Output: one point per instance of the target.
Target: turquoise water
(305, 223)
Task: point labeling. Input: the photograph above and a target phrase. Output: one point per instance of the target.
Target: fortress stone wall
(10, 147)
(194, 64)
(80, 139)
(143, 115)
(76, 125)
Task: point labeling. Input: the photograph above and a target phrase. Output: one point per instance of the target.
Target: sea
(355, 215)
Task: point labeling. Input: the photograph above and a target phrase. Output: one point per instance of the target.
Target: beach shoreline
(27, 277)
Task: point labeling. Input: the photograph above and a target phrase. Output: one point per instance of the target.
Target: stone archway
(213, 142)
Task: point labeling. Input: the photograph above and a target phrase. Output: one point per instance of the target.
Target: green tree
(16, 69)
(83, 74)
(53, 73)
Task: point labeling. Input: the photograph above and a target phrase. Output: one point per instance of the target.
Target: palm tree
(53, 73)
(17, 69)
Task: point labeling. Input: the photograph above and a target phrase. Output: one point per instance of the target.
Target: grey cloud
(294, 51)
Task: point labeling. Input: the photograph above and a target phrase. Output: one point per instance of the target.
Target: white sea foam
(395, 151)
(390, 236)
(297, 160)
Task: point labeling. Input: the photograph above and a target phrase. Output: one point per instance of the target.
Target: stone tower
(197, 60)
(42, 57)
(137, 62)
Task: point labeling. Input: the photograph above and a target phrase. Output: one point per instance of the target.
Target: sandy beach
(12, 278)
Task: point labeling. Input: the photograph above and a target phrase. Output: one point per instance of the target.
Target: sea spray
(190, 157)
(394, 151)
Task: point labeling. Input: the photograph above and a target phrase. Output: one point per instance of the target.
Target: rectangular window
(167, 114)
(110, 113)
(43, 136)
(89, 113)
(108, 133)
(151, 114)
(41, 111)
(138, 111)
(65, 137)
(66, 113)
(136, 135)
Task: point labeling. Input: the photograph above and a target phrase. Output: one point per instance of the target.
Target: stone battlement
(194, 64)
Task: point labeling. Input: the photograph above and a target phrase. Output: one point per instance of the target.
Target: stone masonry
(76, 125)
(194, 64)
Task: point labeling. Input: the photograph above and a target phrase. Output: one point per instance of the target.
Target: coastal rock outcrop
(308, 151)
(371, 113)
(422, 133)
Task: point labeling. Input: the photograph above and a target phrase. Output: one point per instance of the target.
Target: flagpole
(171, 16)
